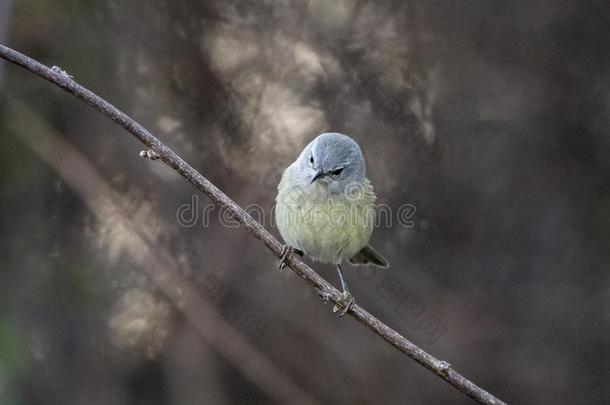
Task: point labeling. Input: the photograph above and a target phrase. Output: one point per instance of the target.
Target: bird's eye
(311, 160)
(338, 171)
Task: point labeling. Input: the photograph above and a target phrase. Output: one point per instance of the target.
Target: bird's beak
(316, 176)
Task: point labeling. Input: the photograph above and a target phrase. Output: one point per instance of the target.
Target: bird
(325, 208)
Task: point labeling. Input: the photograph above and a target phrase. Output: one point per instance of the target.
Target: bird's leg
(347, 299)
(343, 283)
(287, 251)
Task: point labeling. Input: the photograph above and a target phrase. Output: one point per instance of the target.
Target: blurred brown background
(489, 120)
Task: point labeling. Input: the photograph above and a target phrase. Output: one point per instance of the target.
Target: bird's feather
(369, 256)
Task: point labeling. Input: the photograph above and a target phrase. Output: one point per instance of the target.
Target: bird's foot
(325, 295)
(344, 304)
(286, 253)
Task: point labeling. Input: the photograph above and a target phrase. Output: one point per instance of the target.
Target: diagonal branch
(168, 156)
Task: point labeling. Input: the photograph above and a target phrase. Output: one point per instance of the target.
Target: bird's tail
(369, 256)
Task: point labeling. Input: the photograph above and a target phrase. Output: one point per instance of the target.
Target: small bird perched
(325, 207)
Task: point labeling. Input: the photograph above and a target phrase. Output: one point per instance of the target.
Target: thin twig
(438, 367)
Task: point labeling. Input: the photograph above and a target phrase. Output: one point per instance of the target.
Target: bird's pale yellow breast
(327, 228)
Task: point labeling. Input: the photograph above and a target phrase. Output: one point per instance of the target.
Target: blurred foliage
(491, 118)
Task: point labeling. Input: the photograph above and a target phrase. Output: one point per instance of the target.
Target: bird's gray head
(332, 159)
